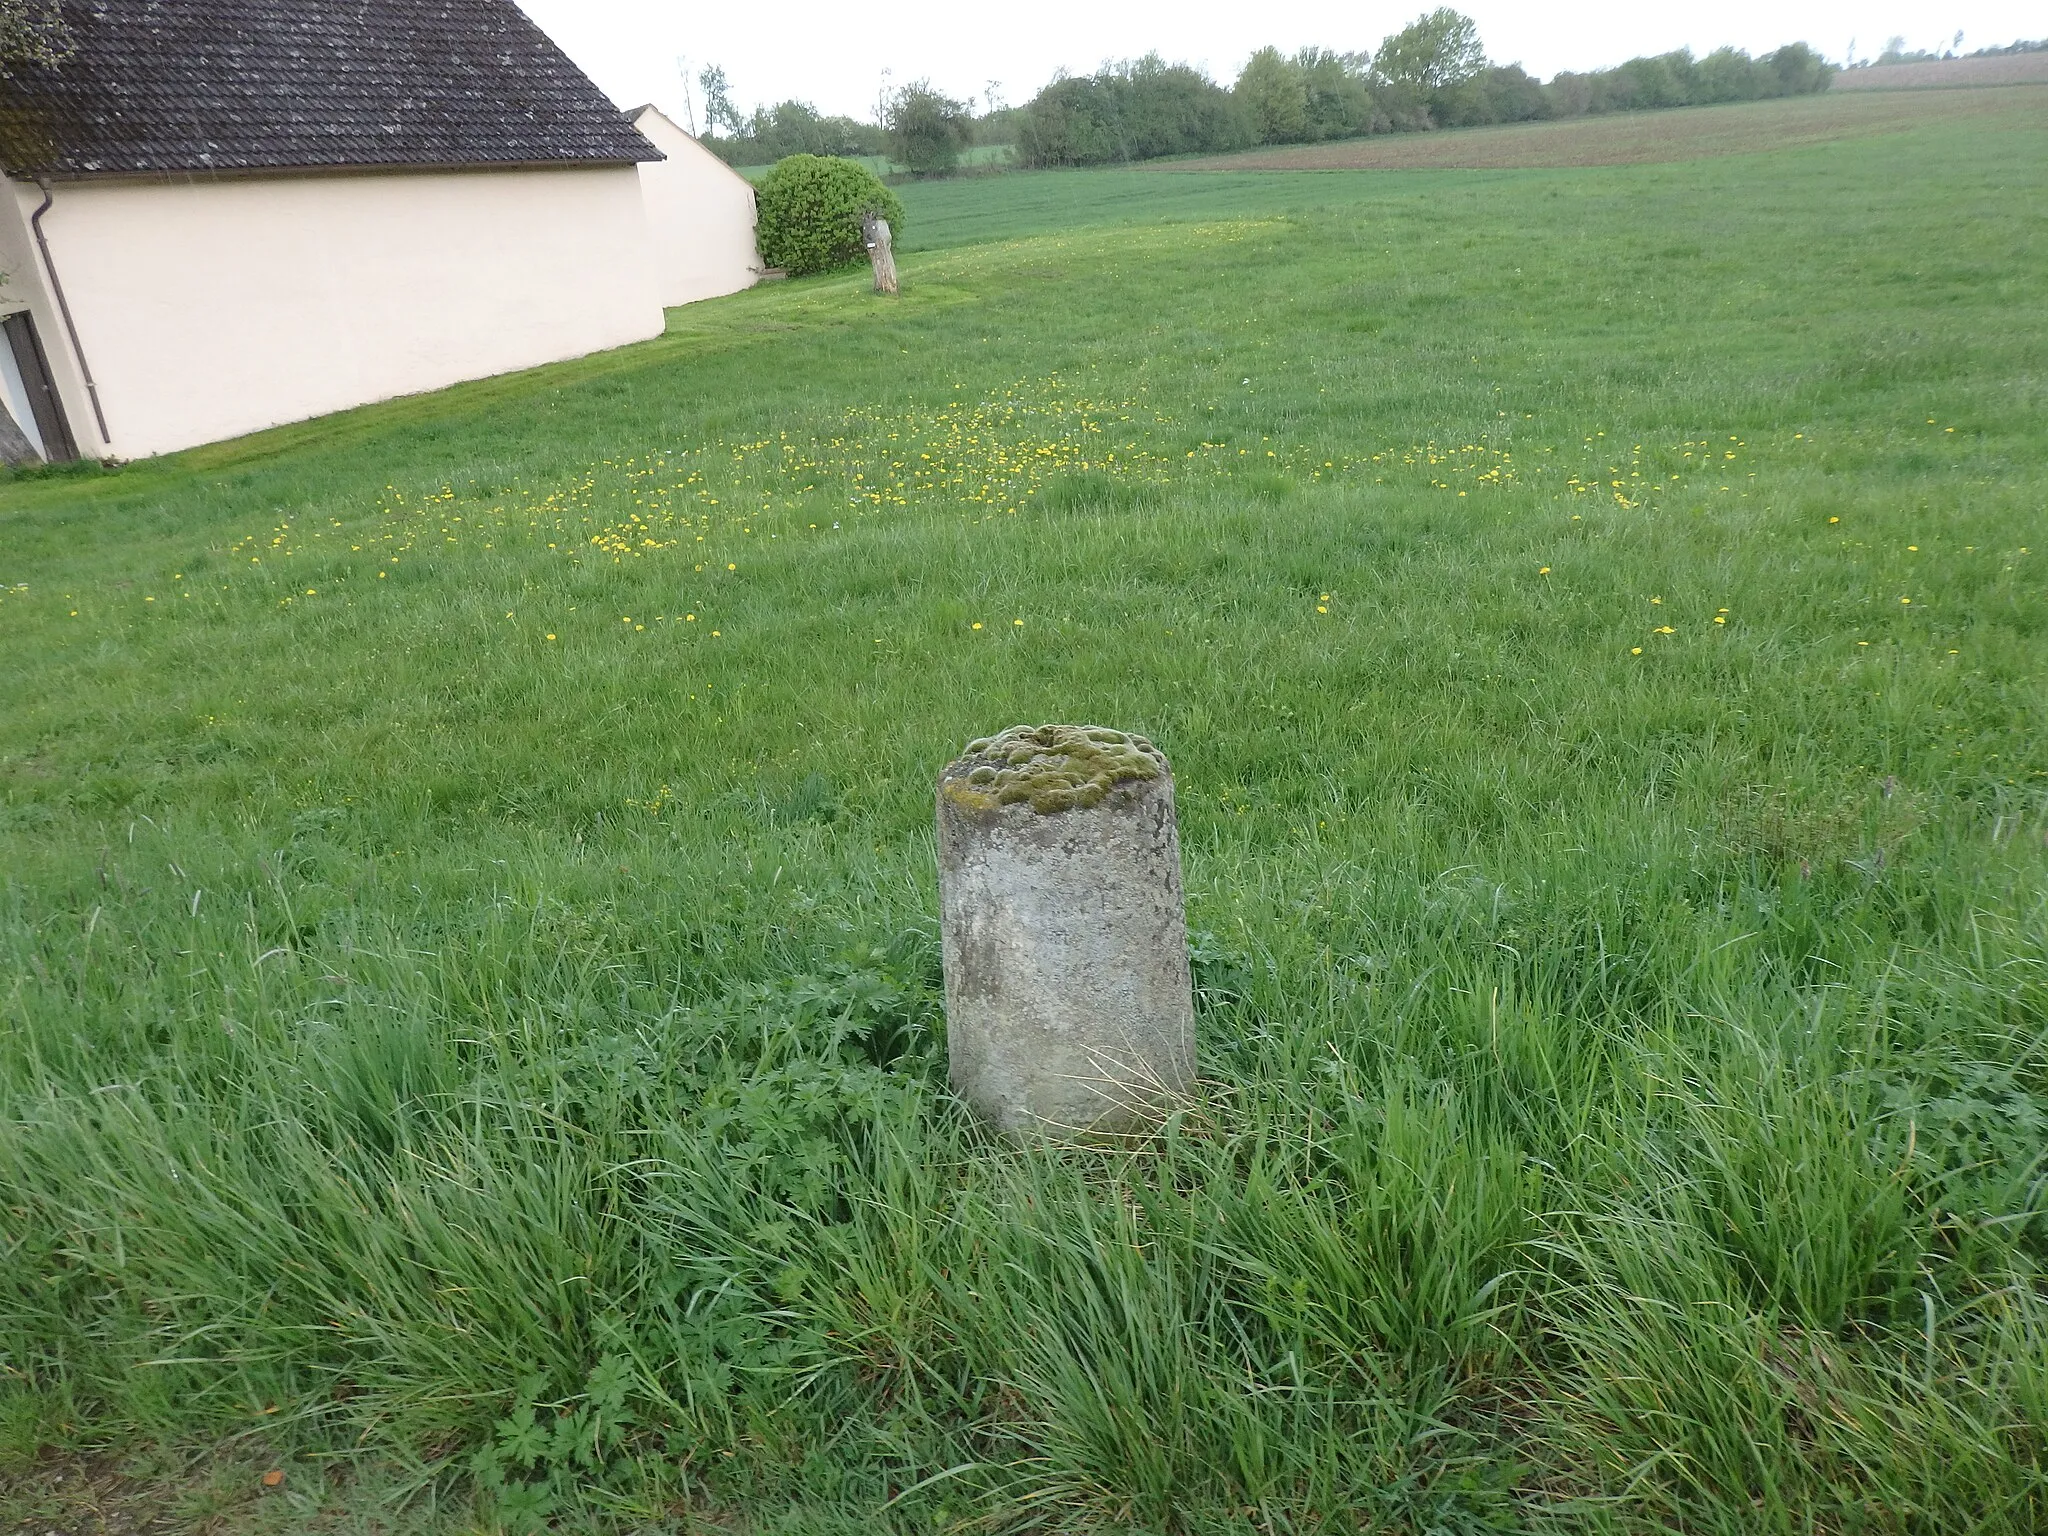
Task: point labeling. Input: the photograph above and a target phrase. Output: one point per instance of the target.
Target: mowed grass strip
(1680, 134)
(466, 930)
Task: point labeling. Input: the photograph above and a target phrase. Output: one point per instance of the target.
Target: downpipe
(92, 390)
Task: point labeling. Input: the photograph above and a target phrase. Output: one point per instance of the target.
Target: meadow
(470, 1023)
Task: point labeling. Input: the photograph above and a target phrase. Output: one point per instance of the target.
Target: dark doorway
(34, 366)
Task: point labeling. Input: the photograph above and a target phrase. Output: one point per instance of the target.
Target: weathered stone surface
(1069, 1005)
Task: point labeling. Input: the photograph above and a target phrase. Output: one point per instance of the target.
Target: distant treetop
(1433, 52)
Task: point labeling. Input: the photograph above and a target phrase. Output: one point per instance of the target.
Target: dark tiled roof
(171, 86)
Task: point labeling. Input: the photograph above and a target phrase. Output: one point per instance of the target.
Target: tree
(1073, 121)
(1499, 93)
(1339, 94)
(1434, 52)
(33, 32)
(719, 112)
(928, 129)
(1171, 109)
(1797, 70)
(1274, 95)
(796, 128)
(1137, 110)
(1727, 74)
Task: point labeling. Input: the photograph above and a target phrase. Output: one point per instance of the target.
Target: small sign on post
(1069, 1003)
(881, 251)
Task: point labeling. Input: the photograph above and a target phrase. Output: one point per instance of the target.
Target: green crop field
(470, 1023)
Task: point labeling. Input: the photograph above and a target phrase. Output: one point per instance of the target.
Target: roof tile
(180, 86)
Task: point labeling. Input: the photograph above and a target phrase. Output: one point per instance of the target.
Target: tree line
(1896, 52)
(1433, 73)
(918, 127)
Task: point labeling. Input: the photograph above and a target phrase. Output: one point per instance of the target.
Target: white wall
(23, 288)
(212, 308)
(700, 212)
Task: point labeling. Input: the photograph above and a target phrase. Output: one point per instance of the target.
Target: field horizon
(471, 1037)
(1670, 135)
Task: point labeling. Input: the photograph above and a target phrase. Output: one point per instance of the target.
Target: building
(219, 217)
(700, 216)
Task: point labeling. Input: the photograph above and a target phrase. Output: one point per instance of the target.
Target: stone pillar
(1069, 1005)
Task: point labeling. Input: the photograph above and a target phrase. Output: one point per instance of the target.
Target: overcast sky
(833, 55)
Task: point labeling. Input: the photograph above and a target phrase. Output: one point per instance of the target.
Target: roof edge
(701, 147)
(29, 177)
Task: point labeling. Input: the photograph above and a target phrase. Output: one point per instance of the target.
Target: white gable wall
(208, 309)
(700, 213)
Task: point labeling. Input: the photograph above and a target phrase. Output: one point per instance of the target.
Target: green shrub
(811, 209)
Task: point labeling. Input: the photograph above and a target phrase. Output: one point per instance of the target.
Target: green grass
(462, 1002)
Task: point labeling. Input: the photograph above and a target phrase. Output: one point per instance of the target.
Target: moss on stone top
(1051, 768)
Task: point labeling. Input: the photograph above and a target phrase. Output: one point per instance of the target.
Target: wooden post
(880, 252)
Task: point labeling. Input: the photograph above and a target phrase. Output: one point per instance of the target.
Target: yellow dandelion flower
(1545, 571)
(1635, 650)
